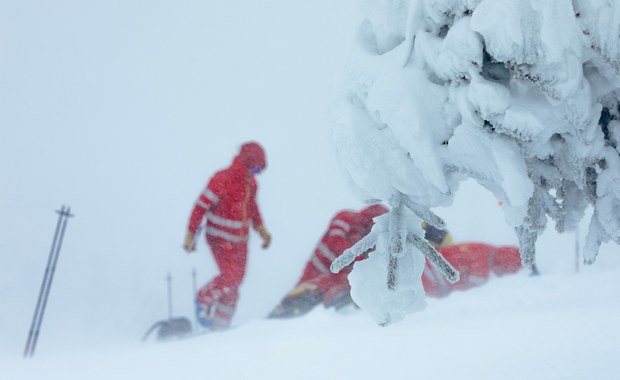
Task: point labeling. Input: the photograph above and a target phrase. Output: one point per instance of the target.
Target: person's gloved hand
(266, 236)
(189, 244)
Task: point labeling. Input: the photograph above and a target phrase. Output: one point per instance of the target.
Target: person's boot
(203, 315)
(297, 303)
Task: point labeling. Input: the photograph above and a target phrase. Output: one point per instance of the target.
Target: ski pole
(37, 309)
(67, 214)
(195, 294)
(169, 280)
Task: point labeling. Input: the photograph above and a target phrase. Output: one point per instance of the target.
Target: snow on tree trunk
(521, 95)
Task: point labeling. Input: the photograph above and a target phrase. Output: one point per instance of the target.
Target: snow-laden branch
(449, 272)
(395, 274)
(350, 254)
(397, 228)
(425, 213)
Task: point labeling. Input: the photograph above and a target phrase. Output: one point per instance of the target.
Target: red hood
(252, 155)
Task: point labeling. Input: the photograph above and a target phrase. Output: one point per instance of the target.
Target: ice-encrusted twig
(397, 227)
(527, 245)
(451, 274)
(391, 273)
(593, 240)
(425, 214)
(528, 231)
(350, 254)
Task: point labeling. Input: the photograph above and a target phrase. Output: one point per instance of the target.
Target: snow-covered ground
(556, 326)
(122, 109)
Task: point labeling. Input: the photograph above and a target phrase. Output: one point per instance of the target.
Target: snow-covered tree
(521, 95)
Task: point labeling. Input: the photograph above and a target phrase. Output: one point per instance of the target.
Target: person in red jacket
(229, 205)
(317, 284)
(476, 263)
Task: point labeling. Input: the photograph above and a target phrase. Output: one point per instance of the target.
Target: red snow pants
(220, 295)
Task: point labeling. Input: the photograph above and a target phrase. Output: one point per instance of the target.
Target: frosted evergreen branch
(350, 254)
(573, 205)
(449, 272)
(527, 232)
(522, 72)
(593, 240)
(392, 270)
(613, 62)
(425, 214)
(396, 227)
(551, 207)
(527, 245)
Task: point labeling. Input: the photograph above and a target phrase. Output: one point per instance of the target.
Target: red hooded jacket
(229, 199)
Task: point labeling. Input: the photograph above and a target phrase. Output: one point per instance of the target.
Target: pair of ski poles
(33, 335)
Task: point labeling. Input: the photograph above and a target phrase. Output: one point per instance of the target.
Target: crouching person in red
(476, 262)
(317, 284)
(229, 205)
